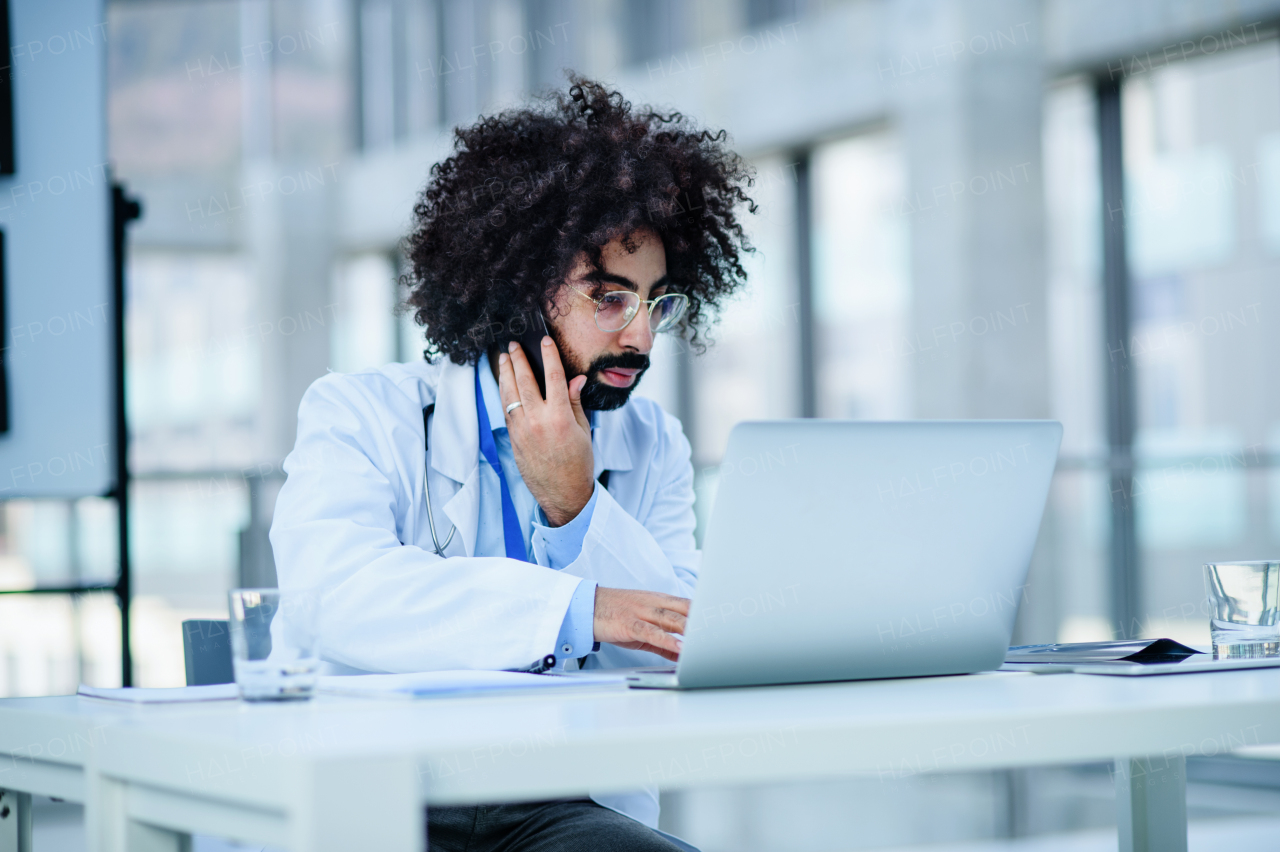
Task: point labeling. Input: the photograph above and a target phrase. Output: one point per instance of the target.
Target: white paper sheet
(135, 695)
(427, 684)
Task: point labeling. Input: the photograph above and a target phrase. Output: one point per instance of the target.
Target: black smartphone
(530, 339)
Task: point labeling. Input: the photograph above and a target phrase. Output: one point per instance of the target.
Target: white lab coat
(351, 521)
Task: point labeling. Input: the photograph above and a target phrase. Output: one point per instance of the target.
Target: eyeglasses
(616, 309)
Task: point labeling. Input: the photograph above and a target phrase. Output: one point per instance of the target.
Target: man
(452, 513)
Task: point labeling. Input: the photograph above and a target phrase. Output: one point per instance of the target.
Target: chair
(206, 645)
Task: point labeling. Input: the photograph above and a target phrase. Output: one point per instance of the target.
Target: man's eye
(614, 300)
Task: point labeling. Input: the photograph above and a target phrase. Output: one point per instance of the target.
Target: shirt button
(566, 649)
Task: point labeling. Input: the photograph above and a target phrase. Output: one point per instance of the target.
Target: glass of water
(1244, 603)
(273, 643)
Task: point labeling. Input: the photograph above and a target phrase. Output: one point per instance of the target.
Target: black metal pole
(804, 286)
(1125, 588)
(123, 211)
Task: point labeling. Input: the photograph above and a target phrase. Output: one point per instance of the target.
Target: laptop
(841, 550)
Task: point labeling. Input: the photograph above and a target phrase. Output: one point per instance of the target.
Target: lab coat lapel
(456, 448)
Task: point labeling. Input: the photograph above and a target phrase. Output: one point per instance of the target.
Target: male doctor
(454, 515)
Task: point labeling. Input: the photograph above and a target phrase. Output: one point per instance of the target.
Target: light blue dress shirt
(561, 544)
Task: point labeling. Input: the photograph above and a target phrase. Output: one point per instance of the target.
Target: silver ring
(513, 406)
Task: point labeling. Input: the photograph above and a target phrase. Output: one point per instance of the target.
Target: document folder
(1132, 657)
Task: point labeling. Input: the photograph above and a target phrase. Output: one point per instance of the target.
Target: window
(1200, 159)
(366, 330)
(861, 278)
(750, 372)
(195, 360)
(1068, 597)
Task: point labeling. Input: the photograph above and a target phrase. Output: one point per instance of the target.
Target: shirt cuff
(577, 632)
(563, 544)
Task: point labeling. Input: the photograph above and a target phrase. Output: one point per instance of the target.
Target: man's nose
(636, 335)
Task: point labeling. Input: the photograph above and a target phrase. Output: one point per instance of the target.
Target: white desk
(45, 744)
(342, 774)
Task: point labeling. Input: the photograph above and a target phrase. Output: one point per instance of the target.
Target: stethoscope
(426, 483)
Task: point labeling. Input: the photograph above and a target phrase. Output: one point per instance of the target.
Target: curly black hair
(528, 191)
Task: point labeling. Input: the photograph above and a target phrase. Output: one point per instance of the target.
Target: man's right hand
(641, 621)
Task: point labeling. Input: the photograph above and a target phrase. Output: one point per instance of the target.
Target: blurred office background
(936, 240)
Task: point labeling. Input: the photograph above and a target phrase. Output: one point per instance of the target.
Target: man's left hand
(550, 438)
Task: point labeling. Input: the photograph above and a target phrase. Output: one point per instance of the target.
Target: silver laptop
(842, 550)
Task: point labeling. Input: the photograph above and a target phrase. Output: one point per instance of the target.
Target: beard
(596, 394)
(599, 396)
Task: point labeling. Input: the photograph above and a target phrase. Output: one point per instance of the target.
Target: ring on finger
(513, 406)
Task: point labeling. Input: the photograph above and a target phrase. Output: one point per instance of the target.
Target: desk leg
(15, 821)
(1151, 799)
(110, 828)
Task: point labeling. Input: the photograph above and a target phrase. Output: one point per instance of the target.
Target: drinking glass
(273, 643)
(1244, 603)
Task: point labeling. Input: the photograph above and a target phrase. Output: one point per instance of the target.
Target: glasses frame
(651, 303)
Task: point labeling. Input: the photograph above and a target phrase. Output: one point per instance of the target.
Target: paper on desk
(134, 695)
(1141, 651)
(463, 682)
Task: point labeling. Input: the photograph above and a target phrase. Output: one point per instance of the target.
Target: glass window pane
(1199, 152)
(749, 371)
(1196, 139)
(365, 328)
(1073, 231)
(51, 643)
(186, 551)
(57, 542)
(195, 360)
(861, 278)
(1067, 598)
(1068, 593)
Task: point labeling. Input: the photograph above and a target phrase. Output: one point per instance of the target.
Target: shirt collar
(493, 399)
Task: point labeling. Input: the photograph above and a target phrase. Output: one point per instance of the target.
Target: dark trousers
(573, 826)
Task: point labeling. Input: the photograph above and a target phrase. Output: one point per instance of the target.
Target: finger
(575, 401)
(672, 602)
(662, 652)
(669, 620)
(507, 390)
(652, 649)
(645, 632)
(525, 382)
(557, 390)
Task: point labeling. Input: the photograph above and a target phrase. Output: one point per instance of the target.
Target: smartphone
(531, 342)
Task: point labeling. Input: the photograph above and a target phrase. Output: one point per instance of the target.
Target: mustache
(602, 397)
(623, 361)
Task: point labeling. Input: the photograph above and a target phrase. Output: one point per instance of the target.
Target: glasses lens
(615, 309)
(667, 311)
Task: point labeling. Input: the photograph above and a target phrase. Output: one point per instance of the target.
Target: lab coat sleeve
(387, 606)
(656, 550)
